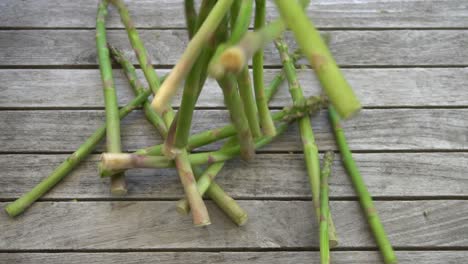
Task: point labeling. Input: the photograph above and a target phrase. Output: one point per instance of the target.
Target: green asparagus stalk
(238, 118)
(205, 179)
(140, 52)
(190, 17)
(324, 208)
(225, 202)
(365, 198)
(311, 156)
(182, 68)
(335, 85)
(118, 184)
(115, 162)
(234, 13)
(250, 106)
(138, 89)
(18, 206)
(266, 121)
(312, 104)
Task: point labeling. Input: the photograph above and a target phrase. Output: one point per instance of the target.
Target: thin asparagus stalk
(335, 85)
(138, 89)
(311, 156)
(238, 118)
(365, 198)
(116, 162)
(250, 106)
(266, 121)
(324, 208)
(140, 52)
(118, 184)
(190, 17)
(18, 206)
(287, 114)
(234, 13)
(182, 68)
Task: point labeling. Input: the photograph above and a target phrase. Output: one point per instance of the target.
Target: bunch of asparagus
(220, 47)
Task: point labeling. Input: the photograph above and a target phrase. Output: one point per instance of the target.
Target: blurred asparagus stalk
(324, 208)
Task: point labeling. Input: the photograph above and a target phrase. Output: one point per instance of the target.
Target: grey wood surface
(350, 47)
(168, 13)
(272, 224)
(269, 176)
(375, 87)
(338, 257)
(406, 60)
(373, 129)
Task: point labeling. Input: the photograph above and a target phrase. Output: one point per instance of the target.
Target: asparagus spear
(190, 17)
(307, 135)
(335, 85)
(18, 206)
(324, 208)
(138, 89)
(118, 184)
(238, 118)
(266, 121)
(182, 68)
(365, 198)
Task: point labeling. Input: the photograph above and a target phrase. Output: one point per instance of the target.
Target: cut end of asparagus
(13, 210)
(333, 243)
(119, 191)
(183, 207)
(349, 111)
(242, 220)
(118, 184)
(113, 163)
(202, 224)
(233, 59)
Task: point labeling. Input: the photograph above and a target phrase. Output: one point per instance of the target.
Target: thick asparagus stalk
(190, 17)
(238, 118)
(324, 208)
(359, 185)
(311, 156)
(250, 106)
(266, 121)
(182, 68)
(18, 206)
(116, 162)
(118, 184)
(335, 85)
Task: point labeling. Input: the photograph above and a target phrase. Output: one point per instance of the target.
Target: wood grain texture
(169, 13)
(374, 87)
(272, 224)
(382, 48)
(373, 129)
(269, 176)
(351, 257)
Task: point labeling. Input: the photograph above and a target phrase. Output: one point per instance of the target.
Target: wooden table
(406, 60)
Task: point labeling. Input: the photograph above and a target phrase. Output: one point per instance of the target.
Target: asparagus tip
(233, 59)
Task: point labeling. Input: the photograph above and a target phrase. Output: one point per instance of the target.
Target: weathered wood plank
(269, 176)
(169, 13)
(350, 48)
(372, 129)
(338, 257)
(375, 87)
(272, 224)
